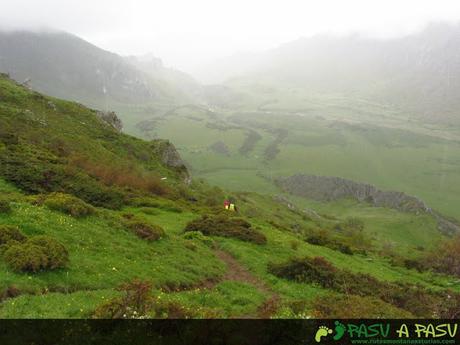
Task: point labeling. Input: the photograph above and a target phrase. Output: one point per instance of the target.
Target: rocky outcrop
(110, 118)
(170, 157)
(327, 188)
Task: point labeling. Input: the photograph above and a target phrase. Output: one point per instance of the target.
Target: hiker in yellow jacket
(229, 206)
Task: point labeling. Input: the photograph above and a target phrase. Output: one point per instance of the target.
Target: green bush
(36, 170)
(198, 236)
(337, 306)
(323, 238)
(94, 193)
(144, 230)
(135, 302)
(10, 233)
(38, 253)
(225, 226)
(26, 257)
(5, 206)
(56, 252)
(144, 202)
(68, 204)
(413, 298)
(306, 270)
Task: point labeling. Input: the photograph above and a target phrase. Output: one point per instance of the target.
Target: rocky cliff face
(110, 118)
(169, 156)
(326, 188)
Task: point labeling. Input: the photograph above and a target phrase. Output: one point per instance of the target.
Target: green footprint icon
(339, 330)
(322, 332)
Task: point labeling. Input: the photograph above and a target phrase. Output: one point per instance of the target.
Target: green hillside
(389, 152)
(95, 223)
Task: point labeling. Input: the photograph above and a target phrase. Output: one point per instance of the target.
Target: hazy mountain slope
(154, 67)
(419, 74)
(63, 65)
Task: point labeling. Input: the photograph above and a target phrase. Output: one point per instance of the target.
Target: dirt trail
(237, 272)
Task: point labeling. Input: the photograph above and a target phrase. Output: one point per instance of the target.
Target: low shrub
(198, 236)
(351, 224)
(68, 204)
(144, 202)
(323, 238)
(10, 233)
(124, 174)
(26, 257)
(4, 206)
(445, 258)
(36, 170)
(36, 254)
(173, 310)
(171, 208)
(413, 298)
(95, 193)
(294, 244)
(337, 306)
(57, 254)
(225, 226)
(190, 245)
(144, 230)
(306, 270)
(135, 302)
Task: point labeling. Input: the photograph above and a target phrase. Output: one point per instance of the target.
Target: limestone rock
(110, 118)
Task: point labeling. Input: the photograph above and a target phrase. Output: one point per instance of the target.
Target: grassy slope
(103, 254)
(379, 148)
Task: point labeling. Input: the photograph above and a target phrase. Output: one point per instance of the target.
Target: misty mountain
(419, 74)
(154, 67)
(64, 65)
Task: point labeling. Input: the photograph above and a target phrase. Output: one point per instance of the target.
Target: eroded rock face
(110, 118)
(327, 188)
(170, 157)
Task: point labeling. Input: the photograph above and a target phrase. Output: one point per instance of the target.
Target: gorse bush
(4, 206)
(143, 229)
(135, 302)
(306, 270)
(57, 254)
(26, 257)
(222, 225)
(10, 233)
(413, 298)
(337, 306)
(36, 170)
(122, 175)
(68, 204)
(199, 237)
(323, 238)
(446, 258)
(36, 254)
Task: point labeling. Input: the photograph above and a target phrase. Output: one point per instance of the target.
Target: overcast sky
(188, 32)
